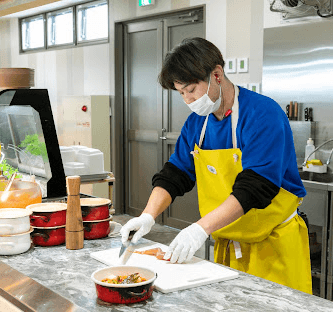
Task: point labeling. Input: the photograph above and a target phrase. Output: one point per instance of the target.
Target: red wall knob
(84, 108)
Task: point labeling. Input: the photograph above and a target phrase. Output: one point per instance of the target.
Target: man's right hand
(142, 225)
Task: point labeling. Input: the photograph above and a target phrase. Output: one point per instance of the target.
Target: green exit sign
(146, 2)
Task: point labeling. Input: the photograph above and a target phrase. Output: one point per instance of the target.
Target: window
(82, 24)
(32, 30)
(60, 28)
(92, 21)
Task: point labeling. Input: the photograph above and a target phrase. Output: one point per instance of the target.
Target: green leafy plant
(34, 146)
(8, 170)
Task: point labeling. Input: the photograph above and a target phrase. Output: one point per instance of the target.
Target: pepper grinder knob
(74, 223)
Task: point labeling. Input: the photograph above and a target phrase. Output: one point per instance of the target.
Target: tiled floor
(162, 234)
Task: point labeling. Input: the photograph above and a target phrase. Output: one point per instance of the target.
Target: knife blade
(124, 247)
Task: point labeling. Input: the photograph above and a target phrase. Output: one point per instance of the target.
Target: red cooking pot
(95, 208)
(50, 236)
(124, 293)
(48, 214)
(96, 229)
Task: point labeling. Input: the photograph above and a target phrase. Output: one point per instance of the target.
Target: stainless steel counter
(67, 273)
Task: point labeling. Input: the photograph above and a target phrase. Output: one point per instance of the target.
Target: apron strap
(234, 121)
(234, 117)
(203, 130)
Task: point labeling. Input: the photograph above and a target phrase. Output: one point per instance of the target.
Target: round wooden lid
(16, 78)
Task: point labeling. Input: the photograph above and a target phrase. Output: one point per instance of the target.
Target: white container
(93, 160)
(14, 221)
(315, 168)
(67, 154)
(15, 244)
(75, 168)
(309, 148)
(78, 148)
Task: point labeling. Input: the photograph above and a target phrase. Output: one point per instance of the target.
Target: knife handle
(130, 235)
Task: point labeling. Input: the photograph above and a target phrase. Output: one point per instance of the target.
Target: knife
(124, 247)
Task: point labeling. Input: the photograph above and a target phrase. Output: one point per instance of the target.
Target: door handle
(163, 137)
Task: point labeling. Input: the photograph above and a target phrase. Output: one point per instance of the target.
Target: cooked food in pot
(124, 279)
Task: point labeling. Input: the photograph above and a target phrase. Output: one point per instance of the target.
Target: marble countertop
(67, 272)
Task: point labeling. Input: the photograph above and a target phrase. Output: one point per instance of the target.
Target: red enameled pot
(48, 214)
(50, 236)
(124, 293)
(95, 208)
(96, 229)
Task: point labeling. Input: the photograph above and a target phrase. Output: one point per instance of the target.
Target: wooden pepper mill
(74, 224)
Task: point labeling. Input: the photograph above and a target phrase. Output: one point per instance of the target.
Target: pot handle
(45, 236)
(85, 211)
(87, 227)
(9, 244)
(140, 295)
(44, 218)
(6, 226)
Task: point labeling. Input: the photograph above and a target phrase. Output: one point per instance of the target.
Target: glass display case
(28, 138)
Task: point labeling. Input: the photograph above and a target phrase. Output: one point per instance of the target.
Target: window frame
(71, 44)
(100, 40)
(75, 43)
(29, 18)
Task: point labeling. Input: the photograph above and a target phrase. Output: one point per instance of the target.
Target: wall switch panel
(230, 66)
(243, 65)
(255, 87)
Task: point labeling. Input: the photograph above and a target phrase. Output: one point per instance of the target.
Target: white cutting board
(170, 277)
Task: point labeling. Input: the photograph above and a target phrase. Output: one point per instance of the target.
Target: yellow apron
(271, 243)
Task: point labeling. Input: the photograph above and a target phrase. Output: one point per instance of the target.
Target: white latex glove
(141, 224)
(186, 243)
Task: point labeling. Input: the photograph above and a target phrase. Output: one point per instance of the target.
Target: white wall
(90, 70)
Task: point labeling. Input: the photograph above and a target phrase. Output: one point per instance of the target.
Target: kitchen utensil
(14, 221)
(95, 208)
(170, 277)
(2, 156)
(49, 236)
(74, 224)
(15, 244)
(48, 214)
(288, 110)
(21, 194)
(124, 247)
(5, 194)
(310, 114)
(96, 229)
(124, 293)
(295, 111)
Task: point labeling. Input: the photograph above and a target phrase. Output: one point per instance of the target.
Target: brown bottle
(74, 224)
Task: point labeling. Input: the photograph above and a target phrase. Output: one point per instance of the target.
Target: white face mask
(204, 105)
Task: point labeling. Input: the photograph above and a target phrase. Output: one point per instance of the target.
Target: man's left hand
(186, 243)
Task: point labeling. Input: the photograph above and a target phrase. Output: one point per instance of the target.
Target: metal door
(184, 210)
(152, 114)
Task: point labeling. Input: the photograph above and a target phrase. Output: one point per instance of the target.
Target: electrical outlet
(230, 66)
(243, 65)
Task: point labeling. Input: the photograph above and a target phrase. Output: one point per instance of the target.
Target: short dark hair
(190, 61)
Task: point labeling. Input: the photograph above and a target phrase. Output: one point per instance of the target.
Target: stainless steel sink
(316, 177)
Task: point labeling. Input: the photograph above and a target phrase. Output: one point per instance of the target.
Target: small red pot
(124, 293)
(95, 208)
(51, 236)
(96, 229)
(48, 214)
